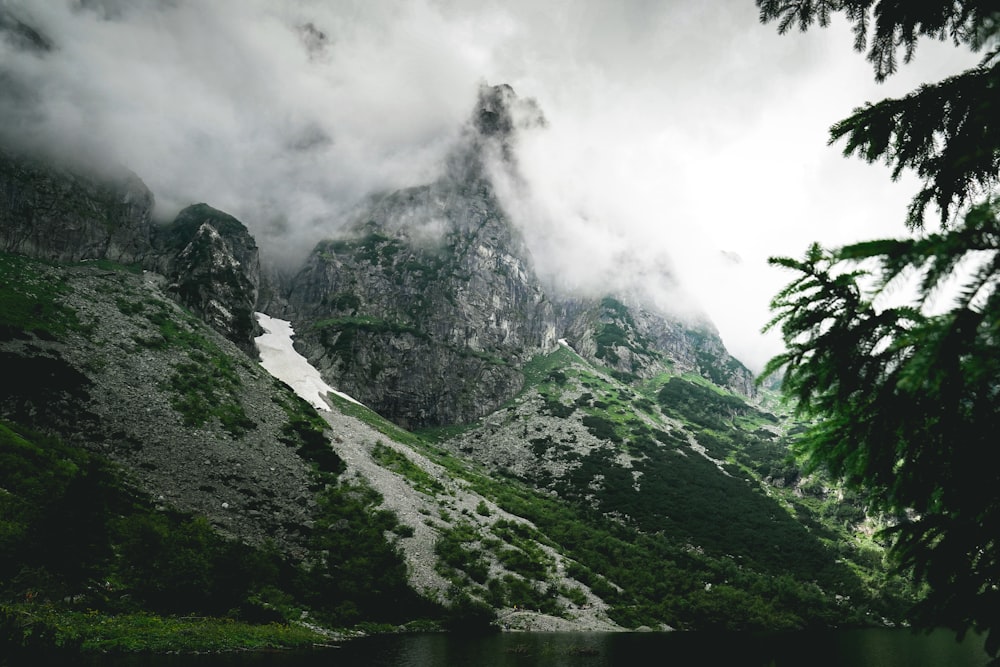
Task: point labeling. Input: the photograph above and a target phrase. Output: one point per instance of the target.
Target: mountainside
(571, 462)
(427, 308)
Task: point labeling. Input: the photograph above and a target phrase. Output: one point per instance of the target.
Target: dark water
(854, 648)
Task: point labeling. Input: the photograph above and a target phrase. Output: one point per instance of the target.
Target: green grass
(95, 632)
(375, 420)
(394, 460)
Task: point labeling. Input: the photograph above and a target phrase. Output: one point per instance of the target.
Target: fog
(685, 142)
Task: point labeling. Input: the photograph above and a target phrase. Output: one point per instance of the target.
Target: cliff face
(427, 324)
(59, 215)
(212, 265)
(209, 258)
(638, 342)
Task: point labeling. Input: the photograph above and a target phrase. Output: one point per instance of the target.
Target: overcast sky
(681, 135)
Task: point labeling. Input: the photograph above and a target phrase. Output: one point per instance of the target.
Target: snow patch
(279, 358)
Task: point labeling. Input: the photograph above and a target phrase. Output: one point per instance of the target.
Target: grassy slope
(672, 536)
(87, 560)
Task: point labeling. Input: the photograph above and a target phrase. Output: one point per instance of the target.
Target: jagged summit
(497, 118)
(437, 332)
(499, 112)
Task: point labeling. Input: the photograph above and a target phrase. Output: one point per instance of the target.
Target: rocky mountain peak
(491, 134)
(212, 265)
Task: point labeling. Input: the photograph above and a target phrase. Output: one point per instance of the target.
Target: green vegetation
(30, 303)
(308, 434)
(394, 460)
(88, 563)
(375, 420)
(31, 628)
(774, 564)
(904, 397)
(619, 333)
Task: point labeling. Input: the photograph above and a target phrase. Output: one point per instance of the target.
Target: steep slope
(86, 349)
(700, 480)
(638, 342)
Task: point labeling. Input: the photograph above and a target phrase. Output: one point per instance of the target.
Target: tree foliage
(945, 132)
(906, 398)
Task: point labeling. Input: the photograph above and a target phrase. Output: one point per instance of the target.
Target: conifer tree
(905, 400)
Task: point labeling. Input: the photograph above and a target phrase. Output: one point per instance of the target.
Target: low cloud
(678, 134)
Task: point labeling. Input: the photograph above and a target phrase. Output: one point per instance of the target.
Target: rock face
(428, 310)
(425, 309)
(638, 342)
(428, 307)
(60, 215)
(213, 267)
(209, 258)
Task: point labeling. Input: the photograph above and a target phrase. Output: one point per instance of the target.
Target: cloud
(677, 133)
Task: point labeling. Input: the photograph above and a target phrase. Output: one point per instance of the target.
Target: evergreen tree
(906, 400)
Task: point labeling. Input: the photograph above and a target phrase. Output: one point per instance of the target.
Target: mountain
(428, 307)
(516, 456)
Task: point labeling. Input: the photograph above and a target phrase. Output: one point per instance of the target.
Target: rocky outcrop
(212, 265)
(427, 308)
(638, 342)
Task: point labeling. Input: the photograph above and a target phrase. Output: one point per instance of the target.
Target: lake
(841, 648)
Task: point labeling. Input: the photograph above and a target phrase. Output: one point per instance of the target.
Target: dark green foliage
(557, 408)
(905, 401)
(945, 132)
(455, 553)
(68, 521)
(908, 401)
(701, 405)
(601, 428)
(884, 27)
(308, 433)
(44, 390)
(69, 526)
(343, 302)
(648, 578)
(361, 575)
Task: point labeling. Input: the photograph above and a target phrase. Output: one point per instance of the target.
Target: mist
(685, 142)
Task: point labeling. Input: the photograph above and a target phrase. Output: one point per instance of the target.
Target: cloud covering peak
(676, 132)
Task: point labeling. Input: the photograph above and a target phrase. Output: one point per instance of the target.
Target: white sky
(682, 135)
